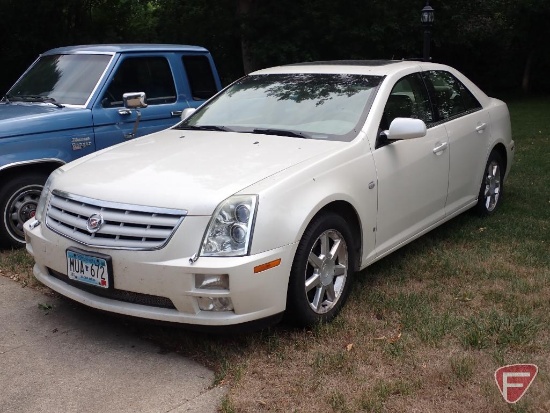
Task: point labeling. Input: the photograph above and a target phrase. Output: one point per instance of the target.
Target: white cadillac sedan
(269, 197)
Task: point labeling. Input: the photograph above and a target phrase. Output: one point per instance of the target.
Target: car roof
(370, 67)
(122, 48)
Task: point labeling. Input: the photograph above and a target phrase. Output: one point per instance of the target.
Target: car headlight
(230, 230)
(42, 201)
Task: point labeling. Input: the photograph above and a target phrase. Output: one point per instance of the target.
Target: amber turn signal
(267, 266)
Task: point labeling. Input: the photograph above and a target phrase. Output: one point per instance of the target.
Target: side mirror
(134, 100)
(187, 112)
(406, 128)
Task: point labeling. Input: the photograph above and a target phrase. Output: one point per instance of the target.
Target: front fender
(60, 146)
(289, 200)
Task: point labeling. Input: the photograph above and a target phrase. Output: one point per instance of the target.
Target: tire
(492, 185)
(18, 201)
(321, 275)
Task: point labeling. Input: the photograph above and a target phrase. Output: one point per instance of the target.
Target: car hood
(191, 170)
(29, 118)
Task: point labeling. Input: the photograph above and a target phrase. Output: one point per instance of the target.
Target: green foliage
(500, 44)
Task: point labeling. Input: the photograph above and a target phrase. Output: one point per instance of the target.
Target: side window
(408, 99)
(151, 75)
(201, 79)
(451, 98)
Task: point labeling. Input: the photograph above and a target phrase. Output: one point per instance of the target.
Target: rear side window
(450, 96)
(151, 75)
(201, 79)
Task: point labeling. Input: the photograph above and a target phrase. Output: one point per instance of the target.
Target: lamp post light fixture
(427, 19)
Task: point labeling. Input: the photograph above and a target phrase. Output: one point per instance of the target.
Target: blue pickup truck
(69, 103)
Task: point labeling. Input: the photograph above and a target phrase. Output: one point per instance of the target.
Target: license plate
(91, 269)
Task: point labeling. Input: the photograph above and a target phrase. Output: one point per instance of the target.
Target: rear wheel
(18, 201)
(321, 275)
(490, 192)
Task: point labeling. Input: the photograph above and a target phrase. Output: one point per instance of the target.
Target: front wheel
(490, 192)
(321, 274)
(18, 200)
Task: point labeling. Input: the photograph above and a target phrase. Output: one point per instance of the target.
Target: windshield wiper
(282, 132)
(37, 99)
(205, 127)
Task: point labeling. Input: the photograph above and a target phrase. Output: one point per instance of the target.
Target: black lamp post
(427, 19)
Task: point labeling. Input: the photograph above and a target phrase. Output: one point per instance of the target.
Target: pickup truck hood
(191, 170)
(19, 118)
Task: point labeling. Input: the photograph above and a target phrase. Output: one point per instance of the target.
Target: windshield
(304, 105)
(66, 79)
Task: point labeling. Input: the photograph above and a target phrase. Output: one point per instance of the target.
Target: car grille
(114, 294)
(125, 226)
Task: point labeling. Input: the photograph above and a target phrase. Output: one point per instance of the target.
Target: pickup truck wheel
(18, 201)
(321, 275)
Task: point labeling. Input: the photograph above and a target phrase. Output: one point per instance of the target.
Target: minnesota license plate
(90, 269)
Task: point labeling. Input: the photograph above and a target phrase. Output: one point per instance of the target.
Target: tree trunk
(243, 11)
(526, 81)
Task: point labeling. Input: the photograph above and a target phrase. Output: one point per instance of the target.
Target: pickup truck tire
(18, 201)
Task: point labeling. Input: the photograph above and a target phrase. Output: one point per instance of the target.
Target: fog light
(212, 281)
(215, 303)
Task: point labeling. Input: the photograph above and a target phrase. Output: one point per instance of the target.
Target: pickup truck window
(69, 79)
(200, 77)
(151, 75)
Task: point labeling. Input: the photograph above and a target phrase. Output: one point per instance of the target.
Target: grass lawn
(424, 329)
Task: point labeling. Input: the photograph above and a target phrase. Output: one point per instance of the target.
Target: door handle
(481, 127)
(124, 112)
(440, 148)
(176, 112)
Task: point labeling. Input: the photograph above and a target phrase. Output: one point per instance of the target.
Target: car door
(467, 125)
(151, 74)
(412, 174)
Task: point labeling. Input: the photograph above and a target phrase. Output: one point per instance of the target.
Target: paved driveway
(68, 359)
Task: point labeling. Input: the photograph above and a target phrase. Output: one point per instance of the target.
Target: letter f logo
(514, 380)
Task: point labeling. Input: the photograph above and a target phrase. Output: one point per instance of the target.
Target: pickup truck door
(167, 95)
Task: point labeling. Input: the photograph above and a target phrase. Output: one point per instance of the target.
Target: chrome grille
(125, 226)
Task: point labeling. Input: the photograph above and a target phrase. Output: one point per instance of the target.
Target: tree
(500, 44)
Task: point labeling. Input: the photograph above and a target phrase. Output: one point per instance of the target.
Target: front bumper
(168, 274)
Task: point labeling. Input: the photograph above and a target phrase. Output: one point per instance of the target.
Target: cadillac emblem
(95, 222)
